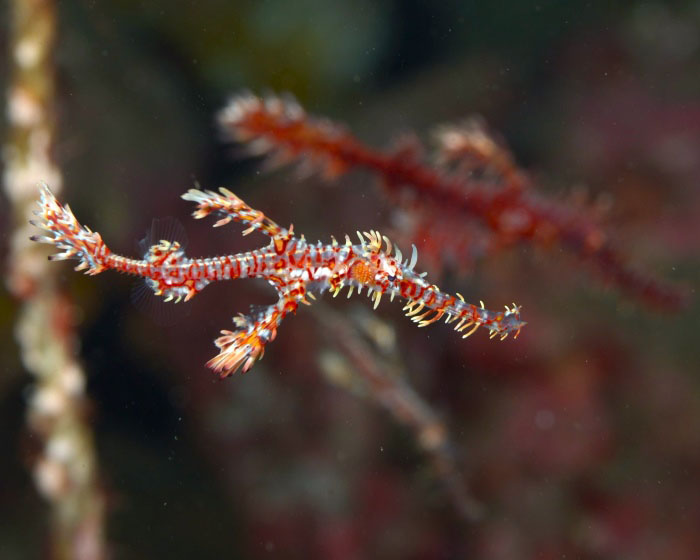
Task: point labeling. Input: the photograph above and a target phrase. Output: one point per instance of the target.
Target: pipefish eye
(391, 277)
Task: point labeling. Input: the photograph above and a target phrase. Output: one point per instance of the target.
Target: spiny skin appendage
(246, 345)
(63, 230)
(296, 269)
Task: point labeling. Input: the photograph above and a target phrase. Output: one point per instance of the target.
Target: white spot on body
(28, 52)
(22, 109)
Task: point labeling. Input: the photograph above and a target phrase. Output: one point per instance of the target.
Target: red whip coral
(484, 187)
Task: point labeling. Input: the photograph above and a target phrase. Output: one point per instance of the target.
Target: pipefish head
(507, 323)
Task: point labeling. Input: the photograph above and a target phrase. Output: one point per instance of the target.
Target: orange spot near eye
(362, 273)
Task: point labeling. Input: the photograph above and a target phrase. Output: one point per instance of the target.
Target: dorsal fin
(169, 230)
(163, 229)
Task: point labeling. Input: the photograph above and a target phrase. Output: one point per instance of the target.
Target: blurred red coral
(484, 187)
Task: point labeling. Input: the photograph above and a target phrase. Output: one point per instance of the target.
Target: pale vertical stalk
(65, 470)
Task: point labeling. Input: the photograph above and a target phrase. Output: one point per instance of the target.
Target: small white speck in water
(545, 419)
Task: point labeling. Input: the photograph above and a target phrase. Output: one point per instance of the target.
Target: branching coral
(475, 182)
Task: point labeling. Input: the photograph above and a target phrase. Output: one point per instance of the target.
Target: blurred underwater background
(580, 439)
